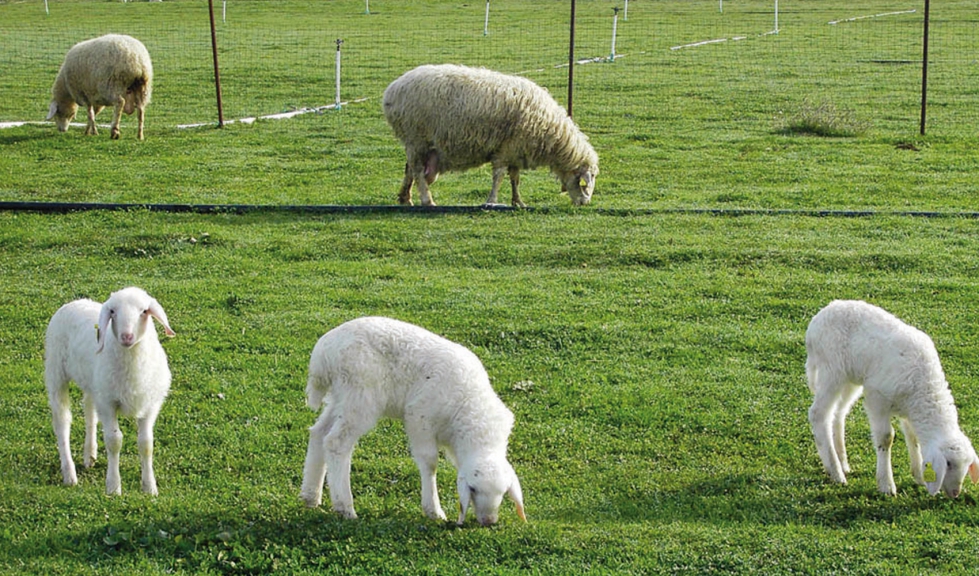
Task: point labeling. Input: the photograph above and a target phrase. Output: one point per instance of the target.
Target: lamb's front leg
(91, 449)
(144, 429)
(112, 436)
(914, 452)
(425, 453)
(883, 435)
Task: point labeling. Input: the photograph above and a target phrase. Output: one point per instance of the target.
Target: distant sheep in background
(374, 367)
(112, 70)
(856, 347)
(453, 118)
(112, 352)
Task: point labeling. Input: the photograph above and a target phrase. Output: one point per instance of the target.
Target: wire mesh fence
(735, 65)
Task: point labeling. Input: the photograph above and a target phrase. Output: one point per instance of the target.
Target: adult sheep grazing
(453, 118)
(112, 70)
(111, 351)
(856, 347)
(375, 367)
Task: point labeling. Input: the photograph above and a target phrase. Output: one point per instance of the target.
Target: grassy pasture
(654, 362)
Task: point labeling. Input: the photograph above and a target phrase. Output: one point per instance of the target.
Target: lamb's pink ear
(156, 311)
(516, 494)
(462, 487)
(52, 110)
(104, 317)
(940, 466)
(974, 471)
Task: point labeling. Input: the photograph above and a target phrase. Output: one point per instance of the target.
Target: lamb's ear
(52, 110)
(516, 494)
(463, 488)
(974, 471)
(104, 317)
(940, 465)
(156, 311)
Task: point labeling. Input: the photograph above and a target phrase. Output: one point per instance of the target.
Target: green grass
(654, 361)
(654, 365)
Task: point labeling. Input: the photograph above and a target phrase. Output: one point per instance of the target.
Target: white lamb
(112, 70)
(453, 118)
(856, 347)
(374, 367)
(112, 352)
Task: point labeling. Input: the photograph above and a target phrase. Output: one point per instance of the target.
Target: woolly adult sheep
(854, 347)
(111, 351)
(375, 367)
(453, 118)
(112, 70)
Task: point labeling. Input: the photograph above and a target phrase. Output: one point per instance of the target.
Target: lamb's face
(62, 115)
(129, 314)
(951, 464)
(482, 486)
(581, 185)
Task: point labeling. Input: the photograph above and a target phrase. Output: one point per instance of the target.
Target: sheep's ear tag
(98, 336)
(929, 473)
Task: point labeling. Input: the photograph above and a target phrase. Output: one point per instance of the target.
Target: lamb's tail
(317, 387)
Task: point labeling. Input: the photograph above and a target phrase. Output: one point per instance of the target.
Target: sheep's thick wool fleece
(472, 114)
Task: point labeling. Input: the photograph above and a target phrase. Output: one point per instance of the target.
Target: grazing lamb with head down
(856, 347)
(112, 352)
(375, 367)
(112, 70)
(453, 118)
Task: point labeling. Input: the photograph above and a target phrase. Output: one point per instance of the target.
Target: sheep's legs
(90, 128)
(116, 119)
(514, 185)
(425, 452)
(914, 452)
(139, 114)
(339, 444)
(851, 394)
(404, 195)
(61, 421)
(144, 431)
(91, 451)
(112, 437)
(314, 470)
(883, 434)
(498, 172)
(821, 416)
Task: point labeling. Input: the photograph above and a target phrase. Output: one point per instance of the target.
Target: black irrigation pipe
(66, 207)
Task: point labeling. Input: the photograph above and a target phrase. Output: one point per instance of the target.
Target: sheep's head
(129, 313)
(951, 462)
(62, 113)
(580, 184)
(483, 485)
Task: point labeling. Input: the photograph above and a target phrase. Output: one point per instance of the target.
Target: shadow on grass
(803, 501)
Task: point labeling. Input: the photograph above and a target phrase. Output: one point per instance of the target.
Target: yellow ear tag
(929, 473)
(97, 335)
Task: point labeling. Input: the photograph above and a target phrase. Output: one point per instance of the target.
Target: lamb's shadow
(749, 499)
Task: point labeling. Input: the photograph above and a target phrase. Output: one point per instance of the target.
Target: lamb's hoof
(114, 135)
(310, 500)
(437, 514)
(347, 513)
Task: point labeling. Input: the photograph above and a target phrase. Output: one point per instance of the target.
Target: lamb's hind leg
(314, 470)
(339, 445)
(851, 393)
(821, 414)
(60, 403)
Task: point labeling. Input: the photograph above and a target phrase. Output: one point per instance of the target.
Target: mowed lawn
(654, 359)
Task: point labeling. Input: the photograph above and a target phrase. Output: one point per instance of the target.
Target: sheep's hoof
(347, 514)
(115, 135)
